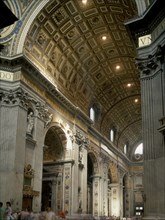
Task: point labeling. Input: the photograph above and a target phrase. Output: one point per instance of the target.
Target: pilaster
(115, 199)
(12, 144)
(96, 195)
(79, 176)
(104, 187)
(152, 85)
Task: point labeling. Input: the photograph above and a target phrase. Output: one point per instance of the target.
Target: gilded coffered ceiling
(66, 40)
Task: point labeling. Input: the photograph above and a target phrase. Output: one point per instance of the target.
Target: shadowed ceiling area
(86, 51)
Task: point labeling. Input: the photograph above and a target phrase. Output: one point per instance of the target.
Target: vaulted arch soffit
(54, 144)
(127, 123)
(64, 40)
(94, 162)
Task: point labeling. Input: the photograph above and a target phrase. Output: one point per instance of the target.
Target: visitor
(50, 215)
(2, 211)
(8, 211)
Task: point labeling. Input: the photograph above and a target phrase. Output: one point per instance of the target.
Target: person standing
(8, 211)
(2, 211)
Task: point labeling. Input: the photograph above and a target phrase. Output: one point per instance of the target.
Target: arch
(112, 134)
(92, 170)
(139, 149)
(54, 150)
(26, 27)
(53, 166)
(92, 114)
(94, 161)
(137, 156)
(59, 129)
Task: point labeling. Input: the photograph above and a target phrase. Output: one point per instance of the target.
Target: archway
(53, 161)
(113, 190)
(92, 169)
(89, 182)
(125, 197)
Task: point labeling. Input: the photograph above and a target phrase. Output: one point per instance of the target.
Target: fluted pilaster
(152, 92)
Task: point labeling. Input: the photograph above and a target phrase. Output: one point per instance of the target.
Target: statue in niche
(30, 123)
(80, 154)
(79, 200)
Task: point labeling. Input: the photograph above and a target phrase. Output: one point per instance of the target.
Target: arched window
(125, 149)
(139, 149)
(112, 135)
(92, 114)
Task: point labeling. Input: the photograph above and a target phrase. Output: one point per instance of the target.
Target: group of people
(6, 213)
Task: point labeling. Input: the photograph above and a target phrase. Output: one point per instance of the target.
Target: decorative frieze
(9, 76)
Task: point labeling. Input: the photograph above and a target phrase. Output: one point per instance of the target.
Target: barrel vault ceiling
(66, 40)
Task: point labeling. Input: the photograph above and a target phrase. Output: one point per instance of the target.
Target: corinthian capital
(151, 63)
(80, 139)
(14, 97)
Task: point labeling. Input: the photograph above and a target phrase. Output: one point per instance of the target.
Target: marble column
(128, 196)
(54, 191)
(67, 189)
(83, 173)
(152, 94)
(39, 136)
(104, 188)
(115, 199)
(96, 195)
(74, 198)
(79, 174)
(12, 143)
(121, 193)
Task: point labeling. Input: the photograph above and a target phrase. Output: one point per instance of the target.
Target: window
(139, 210)
(112, 135)
(125, 149)
(139, 149)
(138, 213)
(92, 114)
(138, 152)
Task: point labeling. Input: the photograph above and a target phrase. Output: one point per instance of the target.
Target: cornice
(13, 64)
(109, 145)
